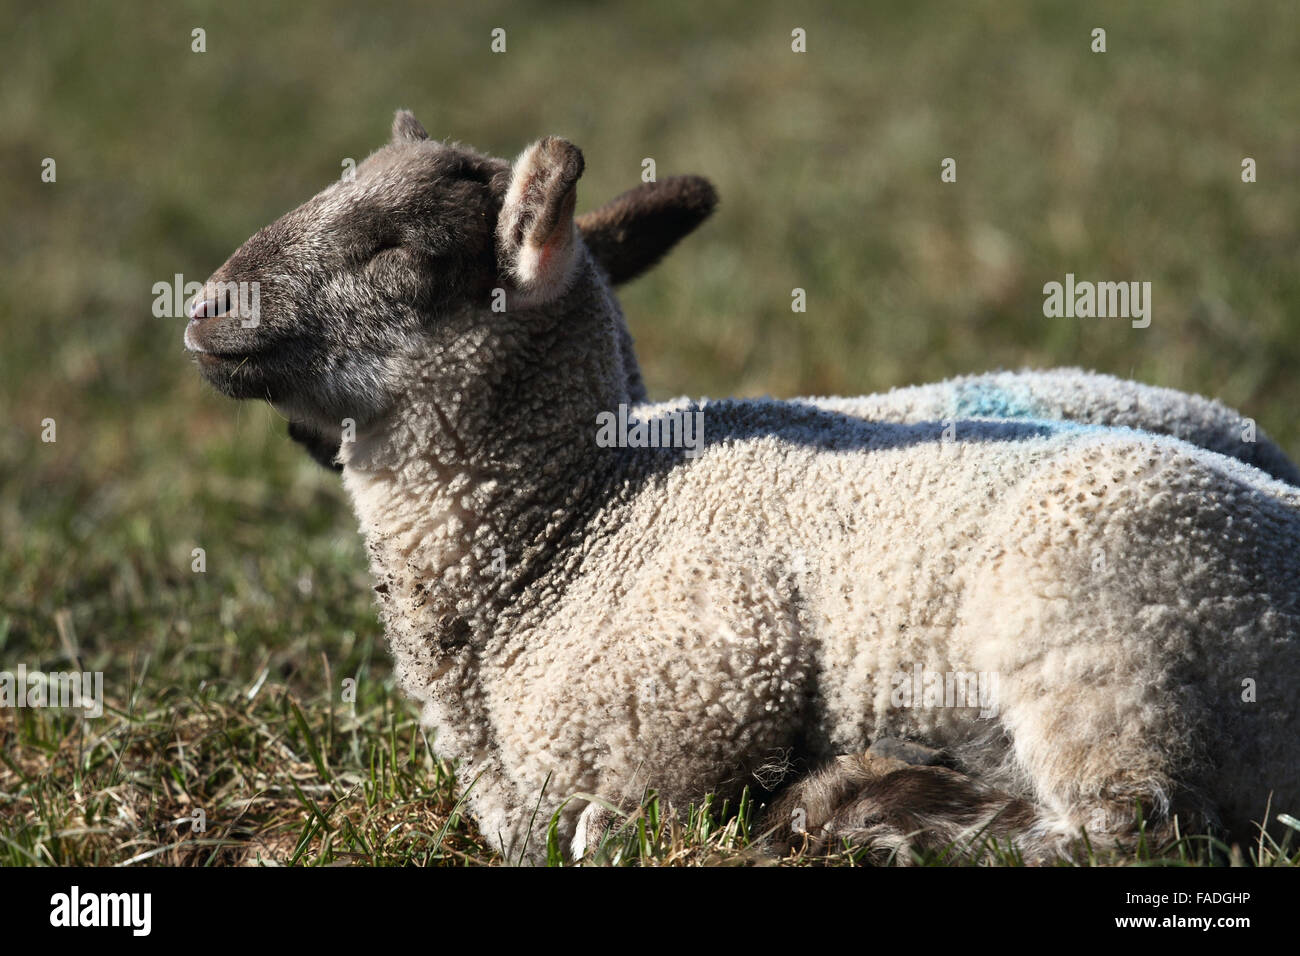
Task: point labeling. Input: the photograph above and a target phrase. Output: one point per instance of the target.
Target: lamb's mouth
(229, 370)
(209, 359)
(238, 374)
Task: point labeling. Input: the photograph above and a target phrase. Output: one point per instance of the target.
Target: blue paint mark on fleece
(981, 400)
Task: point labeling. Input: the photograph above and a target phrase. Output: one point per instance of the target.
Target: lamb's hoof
(913, 754)
(593, 824)
(886, 809)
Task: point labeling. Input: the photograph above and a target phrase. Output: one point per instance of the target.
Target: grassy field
(223, 687)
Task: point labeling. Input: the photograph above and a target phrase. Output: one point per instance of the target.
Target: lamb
(576, 619)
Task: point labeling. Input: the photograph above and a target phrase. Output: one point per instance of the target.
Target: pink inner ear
(558, 238)
(557, 241)
(544, 257)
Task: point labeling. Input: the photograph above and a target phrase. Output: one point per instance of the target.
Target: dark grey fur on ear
(632, 232)
(324, 450)
(407, 129)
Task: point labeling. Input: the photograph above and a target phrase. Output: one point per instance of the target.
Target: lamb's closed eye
(385, 245)
(391, 255)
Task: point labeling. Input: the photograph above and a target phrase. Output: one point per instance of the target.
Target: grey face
(315, 312)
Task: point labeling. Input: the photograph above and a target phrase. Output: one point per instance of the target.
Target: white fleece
(1071, 394)
(712, 613)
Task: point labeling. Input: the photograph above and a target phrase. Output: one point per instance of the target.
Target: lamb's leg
(908, 751)
(891, 801)
(1108, 772)
(592, 826)
(1114, 615)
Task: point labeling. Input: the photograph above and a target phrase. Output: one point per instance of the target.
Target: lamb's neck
(467, 493)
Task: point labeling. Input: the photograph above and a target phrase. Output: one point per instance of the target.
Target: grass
(225, 687)
(227, 774)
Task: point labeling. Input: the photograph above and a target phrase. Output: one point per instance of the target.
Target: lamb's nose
(202, 308)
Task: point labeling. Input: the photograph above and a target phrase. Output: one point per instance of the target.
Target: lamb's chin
(294, 409)
(236, 376)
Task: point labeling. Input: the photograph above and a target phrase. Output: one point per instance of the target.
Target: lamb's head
(318, 311)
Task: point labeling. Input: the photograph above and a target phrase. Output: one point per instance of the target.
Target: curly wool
(674, 622)
(580, 622)
(1070, 394)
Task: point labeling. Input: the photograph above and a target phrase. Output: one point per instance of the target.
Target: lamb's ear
(632, 232)
(536, 237)
(324, 450)
(407, 129)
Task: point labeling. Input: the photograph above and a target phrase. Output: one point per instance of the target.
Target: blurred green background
(1119, 166)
